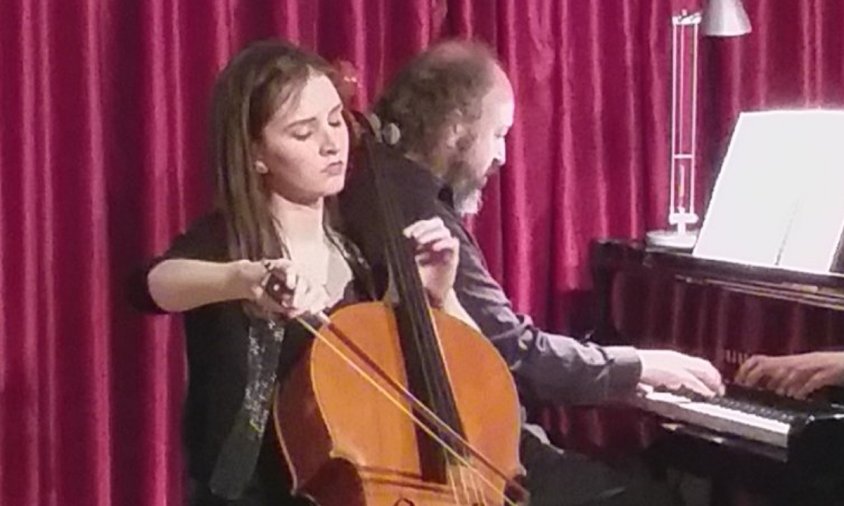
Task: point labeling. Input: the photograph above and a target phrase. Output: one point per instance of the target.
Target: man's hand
(793, 375)
(673, 370)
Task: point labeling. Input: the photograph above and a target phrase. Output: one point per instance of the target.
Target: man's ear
(454, 131)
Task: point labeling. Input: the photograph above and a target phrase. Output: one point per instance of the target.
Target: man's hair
(441, 86)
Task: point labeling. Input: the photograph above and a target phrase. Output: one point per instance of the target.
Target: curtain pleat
(103, 153)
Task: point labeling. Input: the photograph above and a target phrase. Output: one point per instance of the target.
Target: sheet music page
(752, 201)
(777, 200)
(818, 220)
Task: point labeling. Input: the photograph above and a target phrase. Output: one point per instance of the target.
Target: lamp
(720, 18)
(725, 18)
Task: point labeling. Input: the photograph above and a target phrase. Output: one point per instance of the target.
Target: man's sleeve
(553, 367)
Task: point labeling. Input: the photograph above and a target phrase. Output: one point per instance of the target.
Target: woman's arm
(181, 284)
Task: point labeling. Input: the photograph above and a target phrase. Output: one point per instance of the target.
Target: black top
(217, 341)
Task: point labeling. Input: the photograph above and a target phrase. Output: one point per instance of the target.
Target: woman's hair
(254, 84)
(441, 86)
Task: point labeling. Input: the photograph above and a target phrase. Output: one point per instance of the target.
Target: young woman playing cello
(280, 149)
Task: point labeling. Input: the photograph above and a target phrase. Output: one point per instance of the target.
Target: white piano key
(716, 418)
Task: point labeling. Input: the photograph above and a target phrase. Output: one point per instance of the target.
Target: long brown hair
(254, 84)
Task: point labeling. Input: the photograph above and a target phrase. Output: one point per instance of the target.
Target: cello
(390, 405)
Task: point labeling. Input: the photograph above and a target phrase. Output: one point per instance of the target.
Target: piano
(726, 312)
(780, 428)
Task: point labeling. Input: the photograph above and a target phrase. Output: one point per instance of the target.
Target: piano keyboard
(724, 415)
(754, 416)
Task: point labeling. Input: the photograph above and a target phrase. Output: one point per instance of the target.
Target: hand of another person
(437, 255)
(299, 296)
(793, 375)
(674, 370)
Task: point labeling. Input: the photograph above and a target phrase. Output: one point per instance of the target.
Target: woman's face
(305, 145)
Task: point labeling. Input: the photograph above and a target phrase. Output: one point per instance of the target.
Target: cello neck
(424, 363)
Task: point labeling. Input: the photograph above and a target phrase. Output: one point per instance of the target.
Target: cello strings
(407, 411)
(396, 402)
(424, 410)
(454, 487)
(474, 487)
(430, 416)
(404, 269)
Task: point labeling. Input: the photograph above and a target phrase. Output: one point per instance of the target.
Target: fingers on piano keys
(734, 357)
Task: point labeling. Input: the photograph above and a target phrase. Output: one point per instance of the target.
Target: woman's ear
(259, 166)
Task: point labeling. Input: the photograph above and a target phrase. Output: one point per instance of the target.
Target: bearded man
(453, 106)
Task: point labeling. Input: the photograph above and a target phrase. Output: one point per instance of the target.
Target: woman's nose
(330, 143)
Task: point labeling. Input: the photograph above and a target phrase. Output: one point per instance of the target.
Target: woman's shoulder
(204, 239)
(211, 223)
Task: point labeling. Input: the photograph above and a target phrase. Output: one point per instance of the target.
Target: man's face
(481, 151)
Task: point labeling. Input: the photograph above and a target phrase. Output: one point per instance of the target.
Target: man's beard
(466, 191)
(468, 202)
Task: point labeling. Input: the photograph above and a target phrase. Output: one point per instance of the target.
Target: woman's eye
(335, 120)
(301, 135)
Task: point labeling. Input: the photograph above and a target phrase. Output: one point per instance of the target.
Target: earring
(261, 167)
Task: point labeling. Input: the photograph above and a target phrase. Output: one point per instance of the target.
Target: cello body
(399, 405)
(347, 444)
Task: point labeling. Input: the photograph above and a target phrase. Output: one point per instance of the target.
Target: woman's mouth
(334, 169)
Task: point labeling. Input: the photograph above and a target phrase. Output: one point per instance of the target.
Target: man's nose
(497, 163)
(501, 155)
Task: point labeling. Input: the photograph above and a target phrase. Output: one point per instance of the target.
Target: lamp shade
(725, 18)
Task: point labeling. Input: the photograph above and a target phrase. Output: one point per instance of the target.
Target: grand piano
(726, 312)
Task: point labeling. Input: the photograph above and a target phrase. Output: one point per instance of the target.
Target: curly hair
(439, 87)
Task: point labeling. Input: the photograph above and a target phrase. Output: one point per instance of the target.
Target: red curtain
(102, 151)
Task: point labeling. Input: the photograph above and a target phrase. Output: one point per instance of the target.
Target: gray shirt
(547, 367)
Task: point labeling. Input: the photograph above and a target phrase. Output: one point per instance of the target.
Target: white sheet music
(779, 199)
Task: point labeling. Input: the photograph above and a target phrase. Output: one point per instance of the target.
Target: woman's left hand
(437, 255)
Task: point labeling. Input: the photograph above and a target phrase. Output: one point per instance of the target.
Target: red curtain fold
(103, 107)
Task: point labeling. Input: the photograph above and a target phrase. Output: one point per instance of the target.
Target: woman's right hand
(298, 295)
